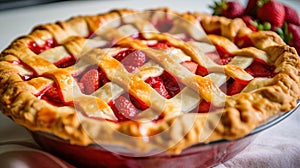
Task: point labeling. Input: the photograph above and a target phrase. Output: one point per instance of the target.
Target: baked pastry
(147, 81)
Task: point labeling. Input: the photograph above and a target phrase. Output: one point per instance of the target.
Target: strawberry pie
(147, 81)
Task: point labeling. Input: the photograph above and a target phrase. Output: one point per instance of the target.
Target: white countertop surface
(17, 22)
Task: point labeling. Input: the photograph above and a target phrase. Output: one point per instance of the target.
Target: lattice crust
(180, 127)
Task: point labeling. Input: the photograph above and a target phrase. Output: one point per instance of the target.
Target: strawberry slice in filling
(53, 96)
(123, 108)
(131, 59)
(232, 86)
(172, 85)
(91, 79)
(158, 84)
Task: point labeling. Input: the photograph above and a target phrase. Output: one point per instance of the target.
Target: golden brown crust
(240, 115)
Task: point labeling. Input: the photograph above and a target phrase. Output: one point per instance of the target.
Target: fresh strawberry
(157, 84)
(190, 65)
(291, 15)
(123, 109)
(229, 9)
(294, 36)
(170, 83)
(251, 8)
(273, 12)
(138, 103)
(90, 81)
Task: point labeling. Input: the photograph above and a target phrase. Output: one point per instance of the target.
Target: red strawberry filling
(66, 62)
(132, 59)
(126, 107)
(257, 69)
(92, 79)
(201, 71)
(190, 65)
(50, 43)
(205, 107)
(172, 85)
(123, 108)
(53, 96)
(223, 53)
(139, 104)
(232, 87)
(160, 45)
(28, 76)
(243, 41)
(220, 57)
(261, 69)
(157, 84)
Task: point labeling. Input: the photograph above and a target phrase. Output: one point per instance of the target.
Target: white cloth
(276, 147)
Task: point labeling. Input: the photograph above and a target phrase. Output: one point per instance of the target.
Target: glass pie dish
(198, 155)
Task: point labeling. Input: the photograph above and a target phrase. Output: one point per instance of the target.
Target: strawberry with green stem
(291, 15)
(229, 9)
(271, 11)
(290, 33)
(251, 8)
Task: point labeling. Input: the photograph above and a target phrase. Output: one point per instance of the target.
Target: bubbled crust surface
(242, 112)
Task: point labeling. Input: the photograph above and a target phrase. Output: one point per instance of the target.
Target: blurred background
(10, 4)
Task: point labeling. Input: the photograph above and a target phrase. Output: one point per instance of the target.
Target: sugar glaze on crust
(241, 114)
